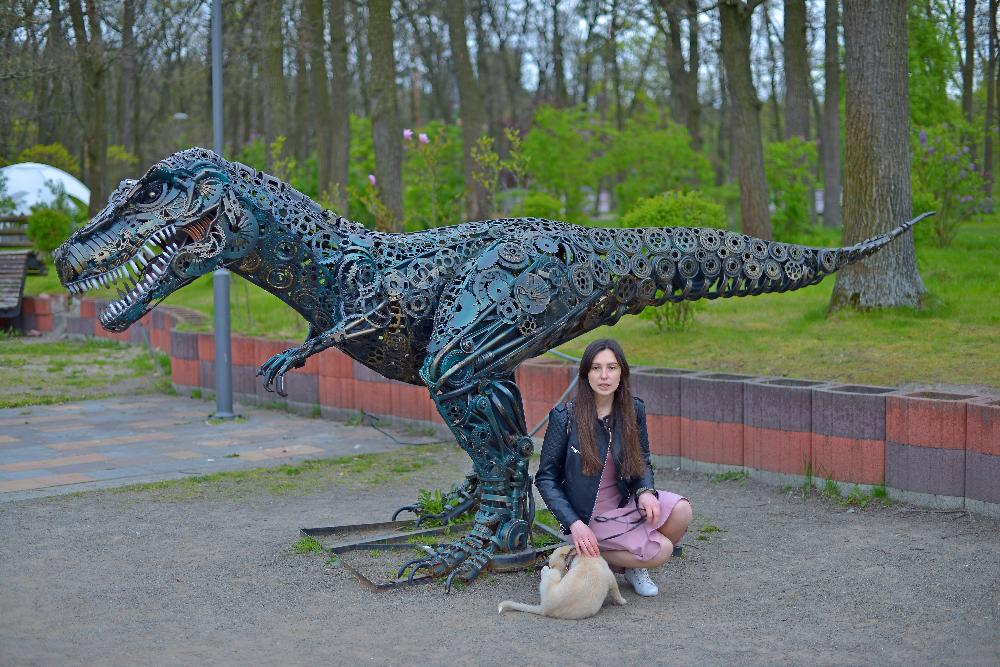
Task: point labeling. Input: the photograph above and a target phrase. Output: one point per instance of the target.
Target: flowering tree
(947, 180)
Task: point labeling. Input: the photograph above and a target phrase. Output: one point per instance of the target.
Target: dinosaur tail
(510, 605)
(687, 264)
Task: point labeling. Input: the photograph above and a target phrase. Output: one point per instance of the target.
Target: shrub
(54, 155)
(674, 209)
(432, 176)
(540, 205)
(945, 180)
(48, 227)
(790, 166)
(7, 205)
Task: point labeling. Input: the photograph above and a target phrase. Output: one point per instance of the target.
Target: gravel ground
(155, 578)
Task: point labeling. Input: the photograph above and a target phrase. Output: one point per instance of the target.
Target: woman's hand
(584, 539)
(650, 504)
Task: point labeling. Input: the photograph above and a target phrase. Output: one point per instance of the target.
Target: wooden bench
(13, 269)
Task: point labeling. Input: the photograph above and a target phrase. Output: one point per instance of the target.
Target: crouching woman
(596, 477)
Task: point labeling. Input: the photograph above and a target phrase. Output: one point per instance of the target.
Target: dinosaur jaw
(142, 278)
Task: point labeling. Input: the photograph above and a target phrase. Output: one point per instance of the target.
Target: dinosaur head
(181, 220)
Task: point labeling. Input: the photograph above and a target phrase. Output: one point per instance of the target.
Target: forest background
(408, 114)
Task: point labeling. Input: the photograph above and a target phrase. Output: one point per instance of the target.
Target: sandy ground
(149, 578)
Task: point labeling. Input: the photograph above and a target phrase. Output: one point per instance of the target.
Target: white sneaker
(643, 585)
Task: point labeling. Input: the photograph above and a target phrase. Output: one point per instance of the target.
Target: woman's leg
(678, 522)
(628, 560)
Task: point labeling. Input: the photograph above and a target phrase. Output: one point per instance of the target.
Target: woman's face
(605, 373)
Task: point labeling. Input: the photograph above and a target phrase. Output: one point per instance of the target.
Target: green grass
(34, 372)
(790, 334)
(305, 477)
(731, 476)
(307, 545)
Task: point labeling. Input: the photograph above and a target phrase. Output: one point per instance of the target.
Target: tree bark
(683, 75)
(990, 83)
(745, 114)
(275, 92)
(313, 28)
(830, 139)
(877, 157)
(387, 129)
(340, 121)
(93, 77)
(126, 86)
(796, 70)
(968, 63)
(558, 60)
(472, 113)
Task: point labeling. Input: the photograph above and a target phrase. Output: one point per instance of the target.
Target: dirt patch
(145, 577)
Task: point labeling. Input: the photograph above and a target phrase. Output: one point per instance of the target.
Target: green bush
(674, 209)
(48, 227)
(54, 155)
(790, 166)
(539, 205)
(6, 203)
(945, 180)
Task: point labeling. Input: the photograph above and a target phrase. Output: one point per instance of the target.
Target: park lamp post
(220, 278)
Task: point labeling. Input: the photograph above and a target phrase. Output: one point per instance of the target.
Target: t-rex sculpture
(453, 308)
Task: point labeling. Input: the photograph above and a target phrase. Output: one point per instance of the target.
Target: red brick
(770, 449)
(664, 434)
(848, 459)
(983, 426)
(243, 351)
(43, 322)
(43, 305)
(336, 392)
(927, 419)
(160, 339)
(712, 442)
(86, 308)
(334, 363)
(206, 347)
(185, 372)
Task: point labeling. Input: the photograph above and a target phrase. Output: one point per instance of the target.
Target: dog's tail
(510, 605)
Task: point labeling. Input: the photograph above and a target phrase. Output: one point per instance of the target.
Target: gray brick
(779, 403)
(183, 345)
(850, 411)
(982, 477)
(928, 470)
(714, 397)
(660, 389)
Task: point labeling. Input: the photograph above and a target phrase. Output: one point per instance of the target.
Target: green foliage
(6, 202)
(932, 62)
(790, 166)
(652, 158)
(561, 152)
(121, 164)
(432, 176)
(490, 166)
(54, 155)
(731, 476)
(539, 205)
(945, 180)
(307, 545)
(48, 227)
(674, 209)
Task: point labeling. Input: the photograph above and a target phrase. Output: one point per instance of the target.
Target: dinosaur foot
(456, 502)
(463, 559)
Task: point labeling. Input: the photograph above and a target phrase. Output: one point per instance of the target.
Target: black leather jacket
(567, 492)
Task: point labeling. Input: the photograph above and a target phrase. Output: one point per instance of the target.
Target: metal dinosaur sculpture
(454, 308)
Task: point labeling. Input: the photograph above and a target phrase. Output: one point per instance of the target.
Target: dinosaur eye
(150, 194)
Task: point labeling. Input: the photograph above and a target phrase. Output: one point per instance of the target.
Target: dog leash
(619, 519)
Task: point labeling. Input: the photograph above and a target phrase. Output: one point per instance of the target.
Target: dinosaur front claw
(273, 370)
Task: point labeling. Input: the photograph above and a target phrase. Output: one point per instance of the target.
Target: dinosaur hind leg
(487, 418)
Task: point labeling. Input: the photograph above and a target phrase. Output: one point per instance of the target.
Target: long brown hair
(623, 413)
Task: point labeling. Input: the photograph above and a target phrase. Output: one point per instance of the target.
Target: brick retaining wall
(936, 449)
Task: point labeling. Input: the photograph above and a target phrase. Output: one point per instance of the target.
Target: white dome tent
(31, 183)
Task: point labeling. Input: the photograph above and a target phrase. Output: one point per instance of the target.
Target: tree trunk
(877, 157)
(772, 57)
(558, 60)
(968, 64)
(275, 92)
(387, 129)
(990, 83)
(126, 85)
(745, 114)
(93, 78)
(831, 118)
(683, 76)
(796, 71)
(340, 121)
(472, 114)
(301, 127)
(312, 29)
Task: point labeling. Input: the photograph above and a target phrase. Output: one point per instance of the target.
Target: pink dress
(643, 540)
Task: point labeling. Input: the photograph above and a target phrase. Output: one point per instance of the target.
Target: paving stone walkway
(46, 450)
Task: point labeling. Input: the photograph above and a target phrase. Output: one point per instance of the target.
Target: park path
(52, 449)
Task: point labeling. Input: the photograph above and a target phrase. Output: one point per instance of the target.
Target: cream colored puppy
(572, 587)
